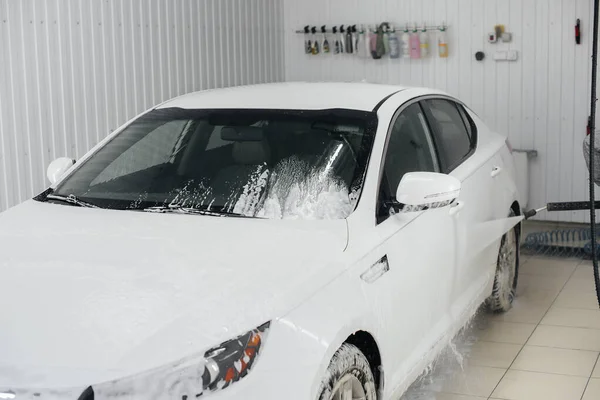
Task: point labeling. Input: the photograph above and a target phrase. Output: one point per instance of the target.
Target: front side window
(455, 141)
(409, 149)
(253, 163)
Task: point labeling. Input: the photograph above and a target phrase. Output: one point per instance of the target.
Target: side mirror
(58, 167)
(427, 189)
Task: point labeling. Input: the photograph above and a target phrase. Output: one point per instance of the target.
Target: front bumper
(286, 369)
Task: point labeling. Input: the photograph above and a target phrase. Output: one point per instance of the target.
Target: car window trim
(397, 113)
(471, 125)
(472, 139)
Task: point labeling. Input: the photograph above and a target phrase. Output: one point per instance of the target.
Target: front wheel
(507, 272)
(348, 377)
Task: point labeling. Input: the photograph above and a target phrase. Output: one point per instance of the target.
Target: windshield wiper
(70, 199)
(191, 210)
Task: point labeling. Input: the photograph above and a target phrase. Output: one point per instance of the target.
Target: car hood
(90, 295)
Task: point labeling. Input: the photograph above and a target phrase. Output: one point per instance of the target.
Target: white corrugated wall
(72, 71)
(540, 101)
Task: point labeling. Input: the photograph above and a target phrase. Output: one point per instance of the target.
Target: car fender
(305, 340)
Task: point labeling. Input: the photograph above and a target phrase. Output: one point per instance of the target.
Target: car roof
(289, 96)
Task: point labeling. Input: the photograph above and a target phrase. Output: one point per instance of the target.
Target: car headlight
(219, 368)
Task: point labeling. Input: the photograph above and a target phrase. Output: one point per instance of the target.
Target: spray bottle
(349, 41)
(424, 40)
(373, 43)
(386, 37)
(394, 43)
(406, 43)
(415, 44)
(325, 45)
(307, 42)
(443, 43)
(363, 43)
(315, 41)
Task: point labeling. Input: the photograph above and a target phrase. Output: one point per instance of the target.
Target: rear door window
(454, 136)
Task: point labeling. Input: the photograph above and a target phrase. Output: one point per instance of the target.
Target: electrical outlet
(500, 56)
(512, 55)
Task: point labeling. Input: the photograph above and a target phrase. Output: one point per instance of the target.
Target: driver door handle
(496, 171)
(455, 208)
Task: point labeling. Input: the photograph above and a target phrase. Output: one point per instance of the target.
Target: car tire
(507, 272)
(349, 370)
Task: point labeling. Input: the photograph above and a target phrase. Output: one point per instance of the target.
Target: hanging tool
(315, 42)
(325, 45)
(578, 32)
(356, 37)
(307, 42)
(342, 39)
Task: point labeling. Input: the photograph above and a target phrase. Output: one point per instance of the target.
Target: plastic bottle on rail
(405, 43)
(424, 40)
(394, 43)
(443, 43)
(386, 39)
(415, 45)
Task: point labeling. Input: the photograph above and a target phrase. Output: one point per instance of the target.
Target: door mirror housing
(419, 190)
(58, 168)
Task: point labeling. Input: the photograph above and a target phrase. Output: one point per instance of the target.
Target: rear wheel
(348, 377)
(507, 272)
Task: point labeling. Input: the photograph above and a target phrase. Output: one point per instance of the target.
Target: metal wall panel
(540, 101)
(72, 71)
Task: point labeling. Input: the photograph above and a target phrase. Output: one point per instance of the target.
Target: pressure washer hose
(592, 204)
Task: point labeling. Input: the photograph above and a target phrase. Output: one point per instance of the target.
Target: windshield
(253, 163)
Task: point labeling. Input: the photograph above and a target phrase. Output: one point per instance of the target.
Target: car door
(460, 156)
(418, 247)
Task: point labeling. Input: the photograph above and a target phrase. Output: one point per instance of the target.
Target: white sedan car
(281, 241)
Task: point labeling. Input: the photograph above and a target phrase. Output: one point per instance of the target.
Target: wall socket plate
(512, 55)
(506, 55)
(506, 37)
(500, 56)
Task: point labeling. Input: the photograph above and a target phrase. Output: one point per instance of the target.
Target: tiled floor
(546, 348)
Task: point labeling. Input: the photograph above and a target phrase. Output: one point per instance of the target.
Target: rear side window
(454, 133)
